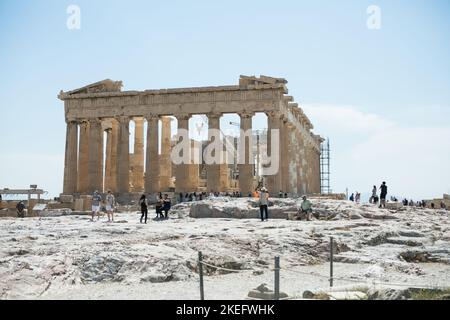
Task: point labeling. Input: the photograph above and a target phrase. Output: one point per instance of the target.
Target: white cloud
(368, 148)
(345, 118)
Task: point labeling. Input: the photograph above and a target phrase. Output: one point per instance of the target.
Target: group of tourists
(374, 199)
(304, 212)
(106, 205)
(163, 204)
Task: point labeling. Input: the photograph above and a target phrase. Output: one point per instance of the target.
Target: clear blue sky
(394, 81)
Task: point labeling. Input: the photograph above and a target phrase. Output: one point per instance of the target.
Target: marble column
(100, 180)
(165, 162)
(94, 155)
(71, 158)
(123, 155)
(273, 123)
(83, 153)
(114, 142)
(291, 158)
(299, 159)
(216, 173)
(284, 143)
(137, 177)
(246, 167)
(152, 161)
(182, 170)
(108, 162)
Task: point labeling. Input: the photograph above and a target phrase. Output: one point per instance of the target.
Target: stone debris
(264, 293)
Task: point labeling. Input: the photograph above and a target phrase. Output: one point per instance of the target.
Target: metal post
(277, 278)
(200, 272)
(331, 261)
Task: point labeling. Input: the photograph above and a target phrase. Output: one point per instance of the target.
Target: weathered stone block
(66, 198)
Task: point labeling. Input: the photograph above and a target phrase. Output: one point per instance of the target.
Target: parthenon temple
(98, 156)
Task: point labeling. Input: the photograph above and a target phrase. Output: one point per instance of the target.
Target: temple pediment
(106, 85)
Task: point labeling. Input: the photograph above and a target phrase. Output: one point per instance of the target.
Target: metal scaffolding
(325, 167)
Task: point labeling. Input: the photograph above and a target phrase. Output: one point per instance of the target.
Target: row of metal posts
(277, 273)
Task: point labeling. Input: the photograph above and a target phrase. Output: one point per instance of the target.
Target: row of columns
(298, 167)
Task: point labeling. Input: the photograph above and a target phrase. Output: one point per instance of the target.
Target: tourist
(383, 195)
(144, 208)
(110, 204)
(166, 205)
(352, 197)
(96, 199)
(159, 207)
(181, 197)
(374, 194)
(280, 194)
(411, 203)
(357, 197)
(263, 204)
(306, 208)
(20, 209)
(375, 201)
(285, 195)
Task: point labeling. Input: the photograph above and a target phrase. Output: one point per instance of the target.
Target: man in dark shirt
(383, 194)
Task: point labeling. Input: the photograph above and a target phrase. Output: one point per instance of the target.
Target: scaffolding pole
(325, 167)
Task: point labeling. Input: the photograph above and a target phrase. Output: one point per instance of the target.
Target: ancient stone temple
(98, 157)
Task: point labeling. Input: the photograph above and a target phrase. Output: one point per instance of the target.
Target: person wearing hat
(306, 208)
(263, 204)
(96, 199)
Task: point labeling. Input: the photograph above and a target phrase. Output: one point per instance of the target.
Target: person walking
(20, 209)
(159, 208)
(306, 208)
(383, 195)
(144, 208)
(352, 197)
(374, 194)
(166, 206)
(96, 199)
(263, 204)
(110, 205)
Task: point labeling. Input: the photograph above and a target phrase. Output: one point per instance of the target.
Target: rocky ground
(62, 256)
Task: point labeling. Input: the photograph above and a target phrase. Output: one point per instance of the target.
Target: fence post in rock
(200, 273)
(331, 261)
(277, 278)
